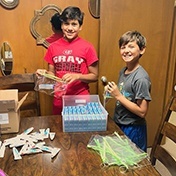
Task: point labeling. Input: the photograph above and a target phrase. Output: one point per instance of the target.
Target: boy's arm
(51, 69)
(139, 109)
(92, 76)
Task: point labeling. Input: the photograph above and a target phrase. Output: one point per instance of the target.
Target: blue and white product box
(83, 113)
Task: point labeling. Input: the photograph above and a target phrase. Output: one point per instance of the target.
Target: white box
(83, 113)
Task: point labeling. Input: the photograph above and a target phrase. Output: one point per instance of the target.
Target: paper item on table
(29, 143)
(46, 148)
(54, 152)
(16, 154)
(45, 132)
(9, 141)
(17, 143)
(28, 138)
(33, 150)
(29, 130)
(52, 135)
(42, 131)
(39, 145)
(2, 150)
(37, 136)
(24, 149)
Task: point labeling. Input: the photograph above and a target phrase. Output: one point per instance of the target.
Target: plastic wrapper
(50, 85)
(117, 150)
(106, 97)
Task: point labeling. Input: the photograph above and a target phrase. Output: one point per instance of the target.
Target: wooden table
(74, 159)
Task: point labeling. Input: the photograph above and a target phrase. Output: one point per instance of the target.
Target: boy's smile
(71, 29)
(131, 51)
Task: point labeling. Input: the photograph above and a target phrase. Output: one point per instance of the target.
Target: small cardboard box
(9, 111)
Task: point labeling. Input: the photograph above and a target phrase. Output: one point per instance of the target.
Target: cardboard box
(9, 111)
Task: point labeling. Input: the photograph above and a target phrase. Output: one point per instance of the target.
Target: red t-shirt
(54, 37)
(73, 57)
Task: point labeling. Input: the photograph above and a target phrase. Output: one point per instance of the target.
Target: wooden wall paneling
(28, 57)
(154, 20)
(15, 30)
(172, 61)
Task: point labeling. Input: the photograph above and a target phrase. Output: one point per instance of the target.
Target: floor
(160, 167)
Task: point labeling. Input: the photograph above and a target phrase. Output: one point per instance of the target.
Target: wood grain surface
(74, 159)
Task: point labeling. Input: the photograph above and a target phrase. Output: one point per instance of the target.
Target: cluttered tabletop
(41, 148)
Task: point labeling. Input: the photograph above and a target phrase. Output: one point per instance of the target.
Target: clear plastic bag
(50, 84)
(117, 150)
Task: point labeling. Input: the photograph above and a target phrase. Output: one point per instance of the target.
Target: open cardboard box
(9, 111)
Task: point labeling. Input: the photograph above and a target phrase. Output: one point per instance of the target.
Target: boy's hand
(41, 71)
(113, 89)
(70, 77)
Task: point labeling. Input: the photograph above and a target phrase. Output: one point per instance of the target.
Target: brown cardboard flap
(21, 101)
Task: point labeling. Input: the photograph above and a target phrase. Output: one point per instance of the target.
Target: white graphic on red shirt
(68, 63)
(67, 52)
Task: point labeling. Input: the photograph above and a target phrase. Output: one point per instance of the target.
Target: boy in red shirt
(71, 58)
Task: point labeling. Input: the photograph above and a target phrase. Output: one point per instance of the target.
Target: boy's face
(131, 52)
(71, 29)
